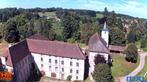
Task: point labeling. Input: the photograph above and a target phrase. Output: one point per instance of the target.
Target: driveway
(142, 56)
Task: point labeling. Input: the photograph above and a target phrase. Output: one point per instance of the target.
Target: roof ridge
(80, 50)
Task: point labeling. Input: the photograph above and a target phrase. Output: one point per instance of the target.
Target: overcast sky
(136, 8)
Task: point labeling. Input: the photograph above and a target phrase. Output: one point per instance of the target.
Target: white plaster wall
(91, 60)
(46, 66)
(105, 36)
(10, 69)
(3, 59)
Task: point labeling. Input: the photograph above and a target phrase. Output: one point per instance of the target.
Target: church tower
(105, 33)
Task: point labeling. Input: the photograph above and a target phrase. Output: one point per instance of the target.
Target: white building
(56, 59)
(98, 45)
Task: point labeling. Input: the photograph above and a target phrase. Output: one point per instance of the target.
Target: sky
(136, 8)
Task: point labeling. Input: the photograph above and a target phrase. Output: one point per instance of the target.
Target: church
(56, 59)
(98, 45)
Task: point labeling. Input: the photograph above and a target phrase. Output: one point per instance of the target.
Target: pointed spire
(105, 26)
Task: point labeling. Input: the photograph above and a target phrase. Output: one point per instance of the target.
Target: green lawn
(99, 15)
(121, 67)
(145, 49)
(138, 44)
(144, 70)
(48, 14)
(88, 80)
(44, 78)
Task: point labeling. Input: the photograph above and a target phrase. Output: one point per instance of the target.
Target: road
(142, 56)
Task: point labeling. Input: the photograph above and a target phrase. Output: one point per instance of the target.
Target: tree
(87, 30)
(102, 73)
(1, 31)
(117, 37)
(105, 11)
(11, 32)
(131, 53)
(69, 77)
(134, 33)
(70, 22)
(99, 59)
(143, 43)
(44, 27)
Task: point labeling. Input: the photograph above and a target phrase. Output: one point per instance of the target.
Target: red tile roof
(55, 48)
(19, 51)
(116, 48)
(97, 44)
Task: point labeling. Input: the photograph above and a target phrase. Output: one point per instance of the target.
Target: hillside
(71, 25)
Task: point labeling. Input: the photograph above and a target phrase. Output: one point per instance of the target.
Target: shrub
(131, 53)
(102, 73)
(69, 77)
(144, 43)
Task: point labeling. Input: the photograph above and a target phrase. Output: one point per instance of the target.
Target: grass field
(145, 49)
(48, 14)
(44, 79)
(144, 70)
(138, 44)
(88, 80)
(121, 67)
(99, 15)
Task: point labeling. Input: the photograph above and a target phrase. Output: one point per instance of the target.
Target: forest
(70, 25)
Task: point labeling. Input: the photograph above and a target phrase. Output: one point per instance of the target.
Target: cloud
(130, 7)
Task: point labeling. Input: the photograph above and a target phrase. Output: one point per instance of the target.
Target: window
(70, 70)
(62, 69)
(70, 63)
(56, 68)
(41, 59)
(50, 67)
(56, 61)
(77, 71)
(49, 60)
(41, 65)
(77, 64)
(62, 62)
(77, 77)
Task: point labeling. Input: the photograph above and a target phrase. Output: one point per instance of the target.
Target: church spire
(105, 27)
(105, 33)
